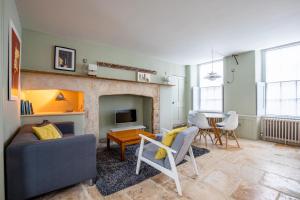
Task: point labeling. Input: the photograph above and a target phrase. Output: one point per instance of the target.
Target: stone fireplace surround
(93, 88)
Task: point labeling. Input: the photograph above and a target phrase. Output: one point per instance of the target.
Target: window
(211, 92)
(282, 74)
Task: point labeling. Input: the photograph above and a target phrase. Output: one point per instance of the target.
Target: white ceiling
(178, 31)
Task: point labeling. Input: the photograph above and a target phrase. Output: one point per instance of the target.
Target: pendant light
(212, 76)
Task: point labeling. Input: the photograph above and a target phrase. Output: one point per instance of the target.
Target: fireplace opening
(110, 104)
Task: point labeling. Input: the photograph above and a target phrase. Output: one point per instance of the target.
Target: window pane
(283, 64)
(288, 90)
(273, 91)
(273, 107)
(283, 81)
(298, 89)
(288, 107)
(211, 99)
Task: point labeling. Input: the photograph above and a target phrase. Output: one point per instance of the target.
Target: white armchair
(175, 154)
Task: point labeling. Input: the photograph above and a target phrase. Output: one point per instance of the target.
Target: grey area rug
(114, 175)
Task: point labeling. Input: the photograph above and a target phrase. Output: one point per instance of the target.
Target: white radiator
(281, 130)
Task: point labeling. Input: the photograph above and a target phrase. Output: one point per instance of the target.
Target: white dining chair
(191, 121)
(204, 128)
(222, 123)
(230, 126)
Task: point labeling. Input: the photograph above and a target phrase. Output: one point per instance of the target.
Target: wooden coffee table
(125, 138)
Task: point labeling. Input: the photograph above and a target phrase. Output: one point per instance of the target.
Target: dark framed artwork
(64, 59)
(14, 63)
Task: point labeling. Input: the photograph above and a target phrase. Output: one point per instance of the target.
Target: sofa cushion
(182, 144)
(47, 132)
(167, 140)
(149, 153)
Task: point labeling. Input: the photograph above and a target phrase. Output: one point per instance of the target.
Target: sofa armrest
(42, 166)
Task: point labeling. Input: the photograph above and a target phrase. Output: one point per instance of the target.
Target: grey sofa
(35, 167)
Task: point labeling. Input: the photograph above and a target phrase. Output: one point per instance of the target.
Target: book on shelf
(26, 107)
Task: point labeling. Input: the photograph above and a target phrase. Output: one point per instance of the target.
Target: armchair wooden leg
(178, 186)
(174, 173)
(193, 161)
(138, 165)
(233, 133)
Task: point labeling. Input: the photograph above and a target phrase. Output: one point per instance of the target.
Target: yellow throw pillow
(167, 140)
(47, 132)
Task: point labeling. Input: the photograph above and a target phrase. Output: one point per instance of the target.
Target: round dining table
(213, 118)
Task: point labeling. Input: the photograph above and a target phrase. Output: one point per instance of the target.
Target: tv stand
(140, 127)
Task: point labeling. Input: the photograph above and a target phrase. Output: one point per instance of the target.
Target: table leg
(122, 152)
(217, 131)
(108, 143)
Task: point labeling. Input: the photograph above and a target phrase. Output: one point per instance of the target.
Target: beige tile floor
(258, 170)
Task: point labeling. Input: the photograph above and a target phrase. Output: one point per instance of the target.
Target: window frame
(198, 85)
(264, 78)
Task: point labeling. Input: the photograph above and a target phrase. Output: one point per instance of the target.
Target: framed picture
(64, 59)
(14, 63)
(143, 77)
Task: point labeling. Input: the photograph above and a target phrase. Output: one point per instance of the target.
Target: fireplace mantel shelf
(87, 76)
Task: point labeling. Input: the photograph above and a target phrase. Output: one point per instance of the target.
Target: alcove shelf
(53, 114)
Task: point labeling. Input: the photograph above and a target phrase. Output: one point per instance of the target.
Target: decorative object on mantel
(65, 59)
(124, 67)
(143, 77)
(166, 78)
(84, 60)
(212, 76)
(14, 63)
(92, 69)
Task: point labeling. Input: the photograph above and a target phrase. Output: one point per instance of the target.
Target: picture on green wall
(64, 59)
(14, 63)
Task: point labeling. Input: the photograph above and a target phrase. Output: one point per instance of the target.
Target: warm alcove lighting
(54, 100)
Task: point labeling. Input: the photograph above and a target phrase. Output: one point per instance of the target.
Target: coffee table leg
(108, 143)
(122, 152)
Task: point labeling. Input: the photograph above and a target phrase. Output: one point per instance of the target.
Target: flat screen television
(125, 116)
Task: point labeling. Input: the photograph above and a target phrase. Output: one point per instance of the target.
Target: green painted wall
(191, 81)
(241, 94)
(1, 106)
(109, 104)
(147, 113)
(38, 51)
(9, 115)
